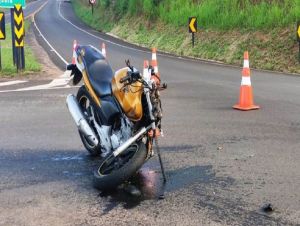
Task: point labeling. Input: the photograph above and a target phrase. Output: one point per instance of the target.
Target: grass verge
(271, 49)
(8, 69)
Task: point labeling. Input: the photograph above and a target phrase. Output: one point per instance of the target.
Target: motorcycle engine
(121, 134)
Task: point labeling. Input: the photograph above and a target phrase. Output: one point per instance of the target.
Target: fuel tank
(129, 97)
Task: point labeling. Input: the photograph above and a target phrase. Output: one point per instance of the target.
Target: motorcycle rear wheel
(84, 101)
(114, 171)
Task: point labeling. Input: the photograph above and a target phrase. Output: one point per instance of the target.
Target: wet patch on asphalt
(149, 181)
(183, 148)
(31, 168)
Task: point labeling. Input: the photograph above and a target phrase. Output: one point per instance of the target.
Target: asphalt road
(222, 165)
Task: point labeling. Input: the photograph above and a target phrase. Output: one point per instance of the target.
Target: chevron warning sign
(2, 26)
(19, 25)
(193, 24)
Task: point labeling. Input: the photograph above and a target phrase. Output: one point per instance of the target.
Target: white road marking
(97, 37)
(41, 88)
(59, 82)
(9, 83)
(48, 43)
(62, 81)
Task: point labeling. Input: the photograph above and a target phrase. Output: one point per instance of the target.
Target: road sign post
(19, 36)
(298, 38)
(193, 28)
(11, 4)
(2, 33)
(92, 2)
(12, 23)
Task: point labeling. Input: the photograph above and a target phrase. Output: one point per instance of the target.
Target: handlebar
(131, 77)
(125, 79)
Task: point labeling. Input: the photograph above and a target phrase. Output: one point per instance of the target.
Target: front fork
(154, 136)
(150, 138)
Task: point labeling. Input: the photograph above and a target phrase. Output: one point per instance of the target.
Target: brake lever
(163, 87)
(127, 62)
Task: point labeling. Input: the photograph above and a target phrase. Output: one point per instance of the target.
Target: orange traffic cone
(246, 95)
(154, 64)
(154, 61)
(146, 69)
(103, 50)
(74, 54)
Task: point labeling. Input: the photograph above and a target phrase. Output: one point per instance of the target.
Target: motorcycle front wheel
(113, 171)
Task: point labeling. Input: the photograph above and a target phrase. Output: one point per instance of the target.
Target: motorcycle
(118, 115)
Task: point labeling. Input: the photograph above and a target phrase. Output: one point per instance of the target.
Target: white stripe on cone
(145, 73)
(104, 52)
(74, 53)
(154, 56)
(246, 63)
(246, 81)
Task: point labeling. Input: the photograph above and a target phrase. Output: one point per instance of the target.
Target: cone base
(243, 108)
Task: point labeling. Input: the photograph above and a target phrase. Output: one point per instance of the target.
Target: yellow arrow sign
(298, 31)
(19, 25)
(193, 25)
(19, 18)
(21, 44)
(1, 26)
(18, 6)
(20, 32)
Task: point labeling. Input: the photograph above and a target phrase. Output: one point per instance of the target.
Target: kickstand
(161, 196)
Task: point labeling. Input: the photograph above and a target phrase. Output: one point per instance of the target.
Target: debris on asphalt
(132, 190)
(268, 208)
(220, 148)
(161, 197)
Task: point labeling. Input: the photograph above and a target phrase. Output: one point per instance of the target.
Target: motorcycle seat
(99, 71)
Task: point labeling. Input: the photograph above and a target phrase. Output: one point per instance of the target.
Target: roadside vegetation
(8, 68)
(266, 28)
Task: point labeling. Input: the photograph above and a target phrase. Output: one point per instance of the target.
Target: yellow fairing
(129, 97)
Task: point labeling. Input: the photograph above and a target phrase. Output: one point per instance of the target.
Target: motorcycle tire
(104, 182)
(82, 97)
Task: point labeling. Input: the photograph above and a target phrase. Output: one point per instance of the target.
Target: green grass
(211, 14)
(8, 69)
(273, 48)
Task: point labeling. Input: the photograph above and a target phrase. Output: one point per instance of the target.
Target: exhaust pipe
(80, 121)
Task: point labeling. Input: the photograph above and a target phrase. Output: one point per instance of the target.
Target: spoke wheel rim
(84, 104)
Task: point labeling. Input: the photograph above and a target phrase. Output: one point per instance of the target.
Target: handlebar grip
(124, 79)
